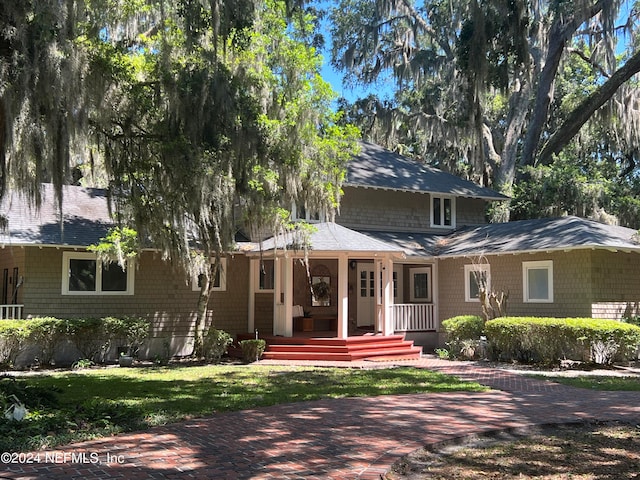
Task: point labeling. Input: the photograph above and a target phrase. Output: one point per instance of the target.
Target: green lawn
(608, 383)
(97, 402)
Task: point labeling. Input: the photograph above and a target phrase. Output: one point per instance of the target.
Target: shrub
(547, 340)
(47, 333)
(129, 331)
(13, 338)
(463, 333)
(89, 336)
(215, 344)
(252, 350)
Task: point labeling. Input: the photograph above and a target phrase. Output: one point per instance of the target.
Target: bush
(47, 333)
(252, 350)
(547, 340)
(13, 338)
(131, 332)
(215, 344)
(89, 336)
(463, 333)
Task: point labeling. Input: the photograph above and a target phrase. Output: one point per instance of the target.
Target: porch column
(387, 297)
(251, 301)
(283, 297)
(343, 296)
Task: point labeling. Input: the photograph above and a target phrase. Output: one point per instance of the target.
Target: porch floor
(324, 345)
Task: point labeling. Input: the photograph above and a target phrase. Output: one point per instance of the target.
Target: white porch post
(387, 296)
(251, 301)
(283, 297)
(377, 288)
(343, 296)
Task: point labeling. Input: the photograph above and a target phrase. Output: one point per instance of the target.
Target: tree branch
(587, 108)
(561, 32)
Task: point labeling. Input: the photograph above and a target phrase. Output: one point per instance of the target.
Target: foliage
(463, 333)
(547, 340)
(252, 349)
(47, 333)
(215, 344)
(132, 331)
(13, 338)
(91, 336)
(443, 353)
(92, 403)
(495, 91)
(120, 245)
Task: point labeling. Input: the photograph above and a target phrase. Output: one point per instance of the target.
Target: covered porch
(347, 285)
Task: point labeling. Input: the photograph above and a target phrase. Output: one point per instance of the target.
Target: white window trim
(453, 211)
(307, 217)
(468, 269)
(412, 272)
(68, 256)
(223, 279)
(257, 277)
(538, 265)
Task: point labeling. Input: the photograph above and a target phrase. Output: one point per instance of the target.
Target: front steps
(376, 347)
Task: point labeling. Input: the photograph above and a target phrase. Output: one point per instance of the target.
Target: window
(301, 212)
(443, 212)
(475, 278)
(219, 283)
(537, 279)
(266, 277)
(83, 274)
(420, 284)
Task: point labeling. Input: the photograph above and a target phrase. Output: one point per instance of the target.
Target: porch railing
(413, 317)
(11, 312)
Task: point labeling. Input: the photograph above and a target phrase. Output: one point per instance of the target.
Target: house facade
(405, 252)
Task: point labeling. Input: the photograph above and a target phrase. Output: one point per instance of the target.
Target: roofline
(500, 198)
(545, 250)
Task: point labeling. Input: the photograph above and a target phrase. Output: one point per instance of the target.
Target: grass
(596, 382)
(578, 452)
(73, 406)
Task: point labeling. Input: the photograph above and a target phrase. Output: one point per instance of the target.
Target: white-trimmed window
(476, 277)
(443, 212)
(420, 284)
(83, 274)
(219, 282)
(265, 279)
(537, 280)
(301, 212)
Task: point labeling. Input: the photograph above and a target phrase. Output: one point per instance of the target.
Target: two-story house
(407, 250)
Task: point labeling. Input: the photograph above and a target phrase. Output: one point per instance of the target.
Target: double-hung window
(299, 211)
(443, 212)
(476, 278)
(537, 280)
(84, 274)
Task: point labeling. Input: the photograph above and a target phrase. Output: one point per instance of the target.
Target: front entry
(366, 295)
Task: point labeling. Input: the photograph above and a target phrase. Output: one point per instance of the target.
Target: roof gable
(376, 167)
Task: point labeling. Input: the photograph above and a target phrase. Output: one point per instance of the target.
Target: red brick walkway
(351, 438)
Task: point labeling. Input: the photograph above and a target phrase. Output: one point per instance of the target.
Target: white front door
(366, 295)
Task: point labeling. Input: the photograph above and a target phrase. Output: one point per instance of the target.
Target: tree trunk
(579, 116)
(201, 317)
(561, 32)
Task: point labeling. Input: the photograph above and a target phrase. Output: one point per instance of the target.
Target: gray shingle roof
(376, 167)
(331, 237)
(86, 218)
(563, 233)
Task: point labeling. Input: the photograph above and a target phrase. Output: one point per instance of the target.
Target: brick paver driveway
(351, 438)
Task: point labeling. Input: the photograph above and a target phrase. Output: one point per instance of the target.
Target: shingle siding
(572, 288)
(386, 210)
(162, 293)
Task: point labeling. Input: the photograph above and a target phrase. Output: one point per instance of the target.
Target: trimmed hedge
(548, 340)
(463, 335)
(92, 337)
